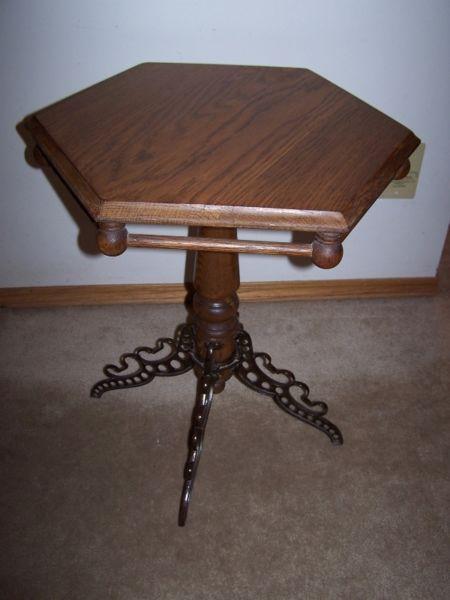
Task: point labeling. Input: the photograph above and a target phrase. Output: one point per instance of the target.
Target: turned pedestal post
(216, 301)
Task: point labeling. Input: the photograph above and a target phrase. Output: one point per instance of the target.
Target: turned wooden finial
(39, 157)
(403, 170)
(112, 238)
(327, 250)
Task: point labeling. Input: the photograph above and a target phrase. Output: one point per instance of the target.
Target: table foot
(205, 393)
(255, 370)
(138, 368)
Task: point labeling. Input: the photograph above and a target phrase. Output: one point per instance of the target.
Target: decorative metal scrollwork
(253, 369)
(251, 374)
(138, 368)
(199, 419)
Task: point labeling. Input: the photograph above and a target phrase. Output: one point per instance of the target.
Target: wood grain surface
(280, 147)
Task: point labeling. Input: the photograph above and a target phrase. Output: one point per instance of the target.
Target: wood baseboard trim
(79, 295)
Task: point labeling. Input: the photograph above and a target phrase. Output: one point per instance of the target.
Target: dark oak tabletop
(262, 147)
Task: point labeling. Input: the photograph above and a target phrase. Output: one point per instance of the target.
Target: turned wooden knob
(39, 157)
(403, 171)
(112, 238)
(327, 250)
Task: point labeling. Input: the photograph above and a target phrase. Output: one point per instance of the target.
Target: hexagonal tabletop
(220, 145)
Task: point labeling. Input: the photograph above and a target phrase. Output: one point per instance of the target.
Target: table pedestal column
(215, 303)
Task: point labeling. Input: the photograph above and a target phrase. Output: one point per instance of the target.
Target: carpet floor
(90, 488)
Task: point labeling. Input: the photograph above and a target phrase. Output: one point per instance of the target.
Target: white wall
(392, 53)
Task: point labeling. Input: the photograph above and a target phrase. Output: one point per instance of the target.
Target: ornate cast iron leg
(138, 368)
(205, 392)
(249, 372)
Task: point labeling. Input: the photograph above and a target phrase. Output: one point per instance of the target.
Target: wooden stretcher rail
(137, 240)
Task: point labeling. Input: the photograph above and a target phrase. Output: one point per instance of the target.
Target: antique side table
(221, 147)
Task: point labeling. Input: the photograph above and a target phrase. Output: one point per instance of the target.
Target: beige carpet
(90, 488)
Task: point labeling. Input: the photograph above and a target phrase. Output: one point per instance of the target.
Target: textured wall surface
(394, 55)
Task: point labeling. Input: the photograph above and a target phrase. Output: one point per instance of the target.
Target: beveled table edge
(64, 168)
(178, 214)
(221, 216)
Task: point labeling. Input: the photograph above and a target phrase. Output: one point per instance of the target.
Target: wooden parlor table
(221, 147)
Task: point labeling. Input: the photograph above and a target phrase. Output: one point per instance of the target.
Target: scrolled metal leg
(200, 414)
(138, 368)
(250, 373)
